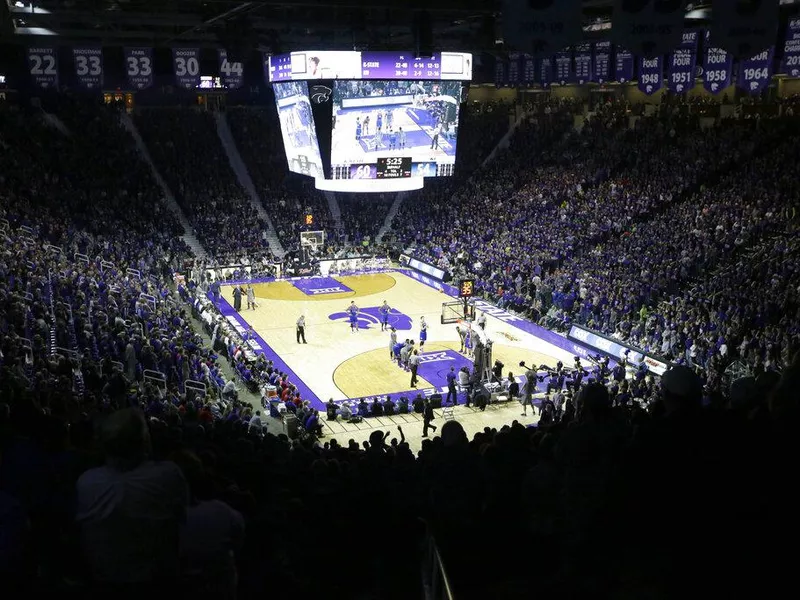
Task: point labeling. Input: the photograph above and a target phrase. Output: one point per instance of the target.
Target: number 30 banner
(139, 67)
(43, 66)
(186, 64)
(89, 66)
(232, 72)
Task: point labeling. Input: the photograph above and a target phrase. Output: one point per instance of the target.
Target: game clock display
(466, 288)
(392, 167)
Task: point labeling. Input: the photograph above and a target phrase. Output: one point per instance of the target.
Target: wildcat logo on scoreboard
(371, 317)
(320, 94)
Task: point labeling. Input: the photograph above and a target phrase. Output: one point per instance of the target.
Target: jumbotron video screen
(297, 128)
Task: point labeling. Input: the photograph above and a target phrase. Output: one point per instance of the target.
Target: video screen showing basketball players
(415, 119)
(297, 128)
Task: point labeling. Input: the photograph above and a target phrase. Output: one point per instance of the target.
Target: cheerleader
(423, 332)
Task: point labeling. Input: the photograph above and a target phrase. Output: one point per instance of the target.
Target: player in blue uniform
(468, 342)
(358, 129)
(392, 140)
(353, 312)
(423, 332)
(384, 310)
(389, 118)
(378, 122)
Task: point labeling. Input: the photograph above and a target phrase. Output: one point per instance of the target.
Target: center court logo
(371, 317)
(330, 290)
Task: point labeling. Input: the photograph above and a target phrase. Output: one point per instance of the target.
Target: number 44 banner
(232, 72)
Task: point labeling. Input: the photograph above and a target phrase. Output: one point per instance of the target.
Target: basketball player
(468, 342)
(462, 334)
(358, 128)
(384, 310)
(401, 138)
(423, 332)
(353, 312)
(392, 343)
(392, 140)
(378, 138)
(366, 125)
(379, 122)
(389, 118)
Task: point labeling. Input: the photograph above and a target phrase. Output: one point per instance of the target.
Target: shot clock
(393, 167)
(466, 288)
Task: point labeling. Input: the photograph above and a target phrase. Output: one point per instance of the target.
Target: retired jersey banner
(648, 28)
(583, 63)
(791, 49)
(545, 71)
(43, 66)
(717, 67)
(89, 66)
(650, 70)
(513, 69)
(541, 28)
(139, 67)
(602, 61)
(755, 72)
(186, 66)
(623, 65)
(528, 69)
(744, 29)
(682, 64)
(232, 73)
(499, 72)
(563, 62)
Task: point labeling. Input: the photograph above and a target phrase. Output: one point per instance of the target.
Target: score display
(466, 288)
(392, 167)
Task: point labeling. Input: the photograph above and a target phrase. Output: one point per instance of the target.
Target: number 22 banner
(139, 67)
(43, 66)
(89, 66)
(186, 65)
(232, 72)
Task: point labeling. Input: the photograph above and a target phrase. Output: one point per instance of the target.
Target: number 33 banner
(139, 67)
(43, 66)
(89, 66)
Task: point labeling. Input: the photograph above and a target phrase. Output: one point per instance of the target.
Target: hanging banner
(89, 66)
(682, 63)
(602, 61)
(650, 80)
(499, 73)
(545, 71)
(744, 29)
(139, 67)
(583, 63)
(563, 62)
(717, 67)
(528, 69)
(755, 72)
(623, 65)
(541, 28)
(186, 66)
(791, 49)
(648, 28)
(513, 69)
(232, 73)
(43, 66)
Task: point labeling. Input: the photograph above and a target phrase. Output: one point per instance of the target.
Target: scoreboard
(392, 167)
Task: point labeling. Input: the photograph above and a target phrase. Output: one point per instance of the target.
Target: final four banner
(648, 28)
(89, 66)
(139, 67)
(545, 71)
(583, 63)
(717, 67)
(499, 72)
(563, 62)
(650, 79)
(755, 72)
(541, 28)
(528, 69)
(186, 66)
(43, 66)
(682, 64)
(791, 49)
(513, 69)
(602, 61)
(232, 72)
(623, 65)
(744, 29)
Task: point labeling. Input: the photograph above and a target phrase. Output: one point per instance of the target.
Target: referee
(301, 329)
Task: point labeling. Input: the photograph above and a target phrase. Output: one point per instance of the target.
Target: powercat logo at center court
(371, 317)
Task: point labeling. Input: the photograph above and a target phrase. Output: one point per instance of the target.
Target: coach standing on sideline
(301, 329)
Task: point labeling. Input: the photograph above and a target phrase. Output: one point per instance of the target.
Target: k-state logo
(371, 317)
(320, 94)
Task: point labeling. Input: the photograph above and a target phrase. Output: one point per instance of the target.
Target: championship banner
(545, 71)
(744, 29)
(650, 80)
(499, 73)
(717, 68)
(602, 61)
(682, 64)
(648, 28)
(89, 66)
(563, 62)
(583, 63)
(623, 65)
(791, 49)
(513, 69)
(139, 67)
(528, 69)
(755, 72)
(43, 66)
(186, 66)
(232, 72)
(541, 28)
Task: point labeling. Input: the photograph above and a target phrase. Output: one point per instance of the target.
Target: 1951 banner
(682, 64)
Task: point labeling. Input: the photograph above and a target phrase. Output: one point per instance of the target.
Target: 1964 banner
(186, 66)
(602, 61)
(682, 64)
(650, 79)
(755, 72)
(717, 67)
(791, 48)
